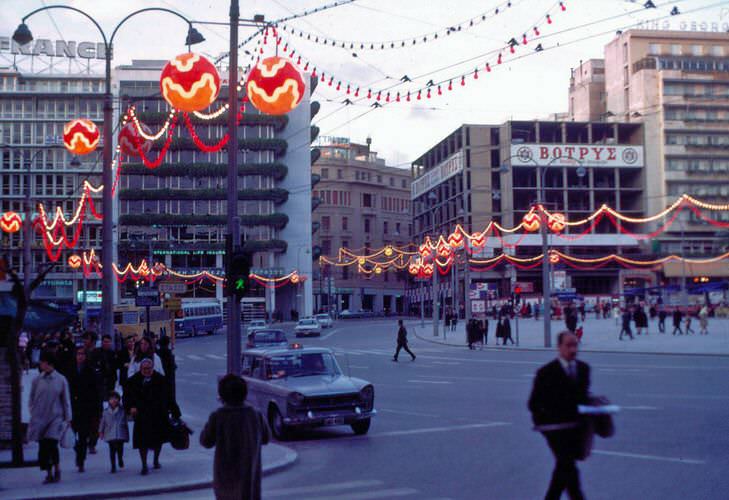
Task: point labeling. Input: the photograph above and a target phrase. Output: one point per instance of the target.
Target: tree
(22, 299)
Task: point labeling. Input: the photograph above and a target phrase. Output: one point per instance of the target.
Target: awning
(675, 269)
(40, 317)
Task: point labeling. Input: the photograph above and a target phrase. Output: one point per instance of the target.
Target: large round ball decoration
(81, 136)
(74, 261)
(556, 222)
(274, 86)
(190, 82)
(130, 139)
(10, 222)
(530, 222)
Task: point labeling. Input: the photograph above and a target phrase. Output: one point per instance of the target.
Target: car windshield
(322, 316)
(269, 337)
(303, 365)
(307, 322)
(258, 323)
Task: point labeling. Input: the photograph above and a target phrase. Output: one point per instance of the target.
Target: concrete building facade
(364, 206)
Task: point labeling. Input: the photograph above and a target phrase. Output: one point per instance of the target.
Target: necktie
(571, 370)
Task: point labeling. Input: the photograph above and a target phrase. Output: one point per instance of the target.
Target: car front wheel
(275, 421)
(360, 427)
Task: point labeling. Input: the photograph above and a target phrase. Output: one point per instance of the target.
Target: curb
(289, 458)
(595, 351)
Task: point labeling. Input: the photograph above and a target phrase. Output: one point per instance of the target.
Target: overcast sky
(522, 88)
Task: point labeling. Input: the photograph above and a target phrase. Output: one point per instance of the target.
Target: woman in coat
(50, 415)
(237, 431)
(145, 350)
(146, 400)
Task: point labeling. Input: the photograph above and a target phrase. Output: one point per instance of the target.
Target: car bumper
(308, 333)
(326, 418)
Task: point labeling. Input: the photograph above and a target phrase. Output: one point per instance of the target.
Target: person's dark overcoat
(85, 402)
(555, 395)
(570, 319)
(150, 398)
(237, 433)
(402, 336)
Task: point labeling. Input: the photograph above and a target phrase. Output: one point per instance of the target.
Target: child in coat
(114, 430)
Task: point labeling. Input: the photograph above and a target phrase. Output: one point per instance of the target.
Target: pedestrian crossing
(365, 489)
(338, 351)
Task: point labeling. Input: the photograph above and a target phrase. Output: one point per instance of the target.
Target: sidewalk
(601, 335)
(181, 471)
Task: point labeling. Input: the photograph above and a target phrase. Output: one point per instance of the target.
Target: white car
(308, 327)
(324, 320)
(255, 325)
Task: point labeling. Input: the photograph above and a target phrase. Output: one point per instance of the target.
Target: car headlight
(295, 399)
(367, 394)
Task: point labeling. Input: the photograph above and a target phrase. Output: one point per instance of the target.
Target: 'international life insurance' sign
(444, 171)
(586, 155)
(53, 48)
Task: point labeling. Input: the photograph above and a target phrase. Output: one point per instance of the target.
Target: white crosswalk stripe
(356, 490)
(195, 357)
(215, 356)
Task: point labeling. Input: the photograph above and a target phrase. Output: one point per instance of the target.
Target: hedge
(277, 195)
(249, 120)
(277, 220)
(276, 170)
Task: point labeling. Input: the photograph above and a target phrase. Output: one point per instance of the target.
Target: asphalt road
(454, 424)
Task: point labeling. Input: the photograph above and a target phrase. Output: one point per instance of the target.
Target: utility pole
(233, 327)
(436, 299)
(546, 292)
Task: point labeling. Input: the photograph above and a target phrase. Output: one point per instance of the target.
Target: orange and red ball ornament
(190, 82)
(130, 139)
(10, 222)
(530, 222)
(81, 136)
(274, 86)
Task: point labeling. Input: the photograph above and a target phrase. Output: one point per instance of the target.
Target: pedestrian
(625, 329)
(23, 340)
(662, 320)
(85, 405)
(114, 429)
(704, 320)
(145, 398)
(484, 331)
(506, 329)
(170, 369)
(570, 318)
(50, 415)
(641, 320)
(470, 333)
(144, 350)
(66, 356)
(677, 317)
(559, 387)
(106, 359)
(499, 334)
(689, 330)
(454, 321)
(582, 311)
(402, 341)
(237, 431)
(124, 359)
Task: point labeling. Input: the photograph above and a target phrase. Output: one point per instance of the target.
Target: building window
(626, 76)
(366, 225)
(345, 223)
(717, 50)
(326, 247)
(392, 181)
(379, 179)
(625, 52)
(697, 50)
(385, 227)
(397, 229)
(324, 173)
(654, 49)
(340, 174)
(675, 50)
(325, 222)
(403, 183)
(367, 200)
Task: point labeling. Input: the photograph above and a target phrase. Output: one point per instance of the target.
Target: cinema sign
(53, 48)
(586, 155)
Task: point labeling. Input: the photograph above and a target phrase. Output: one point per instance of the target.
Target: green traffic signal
(240, 284)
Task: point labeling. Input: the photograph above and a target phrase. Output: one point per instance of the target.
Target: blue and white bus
(199, 317)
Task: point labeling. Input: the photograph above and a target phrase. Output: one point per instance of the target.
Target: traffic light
(238, 264)
(517, 295)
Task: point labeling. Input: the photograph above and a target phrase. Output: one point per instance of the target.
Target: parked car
(307, 327)
(347, 314)
(255, 325)
(324, 320)
(298, 387)
(267, 339)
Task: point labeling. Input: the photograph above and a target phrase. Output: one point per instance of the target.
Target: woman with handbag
(50, 415)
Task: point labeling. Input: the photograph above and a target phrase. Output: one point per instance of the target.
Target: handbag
(179, 434)
(68, 438)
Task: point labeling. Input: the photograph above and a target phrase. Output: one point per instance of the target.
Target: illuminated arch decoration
(81, 136)
(274, 86)
(190, 82)
(10, 222)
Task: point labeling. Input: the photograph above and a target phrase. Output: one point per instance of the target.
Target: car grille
(330, 403)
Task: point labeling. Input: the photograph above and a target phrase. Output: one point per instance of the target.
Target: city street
(454, 423)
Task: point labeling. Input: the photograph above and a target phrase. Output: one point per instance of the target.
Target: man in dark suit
(402, 341)
(559, 387)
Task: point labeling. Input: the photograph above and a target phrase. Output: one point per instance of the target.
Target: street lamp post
(22, 36)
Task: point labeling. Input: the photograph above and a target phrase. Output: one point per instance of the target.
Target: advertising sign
(575, 155)
(478, 306)
(147, 297)
(444, 171)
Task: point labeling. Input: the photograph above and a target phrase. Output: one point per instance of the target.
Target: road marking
(446, 363)
(689, 461)
(478, 379)
(322, 488)
(440, 429)
(359, 366)
(332, 332)
(429, 382)
(366, 495)
(215, 356)
(195, 357)
(639, 407)
(677, 396)
(413, 413)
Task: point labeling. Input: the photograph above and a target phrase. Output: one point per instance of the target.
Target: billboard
(575, 155)
(442, 172)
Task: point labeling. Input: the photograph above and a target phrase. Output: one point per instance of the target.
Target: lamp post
(22, 36)
(541, 200)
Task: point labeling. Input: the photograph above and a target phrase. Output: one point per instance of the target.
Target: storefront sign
(478, 306)
(92, 297)
(53, 48)
(575, 155)
(444, 171)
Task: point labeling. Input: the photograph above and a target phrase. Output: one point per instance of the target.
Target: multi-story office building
(481, 173)
(34, 106)
(176, 212)
(677, 84)
(365, 206)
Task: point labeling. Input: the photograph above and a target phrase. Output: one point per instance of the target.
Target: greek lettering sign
(147, 297)
(575, 155)
(444, 171)
(53, 48)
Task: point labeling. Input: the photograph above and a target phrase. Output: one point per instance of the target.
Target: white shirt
(566, 365)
